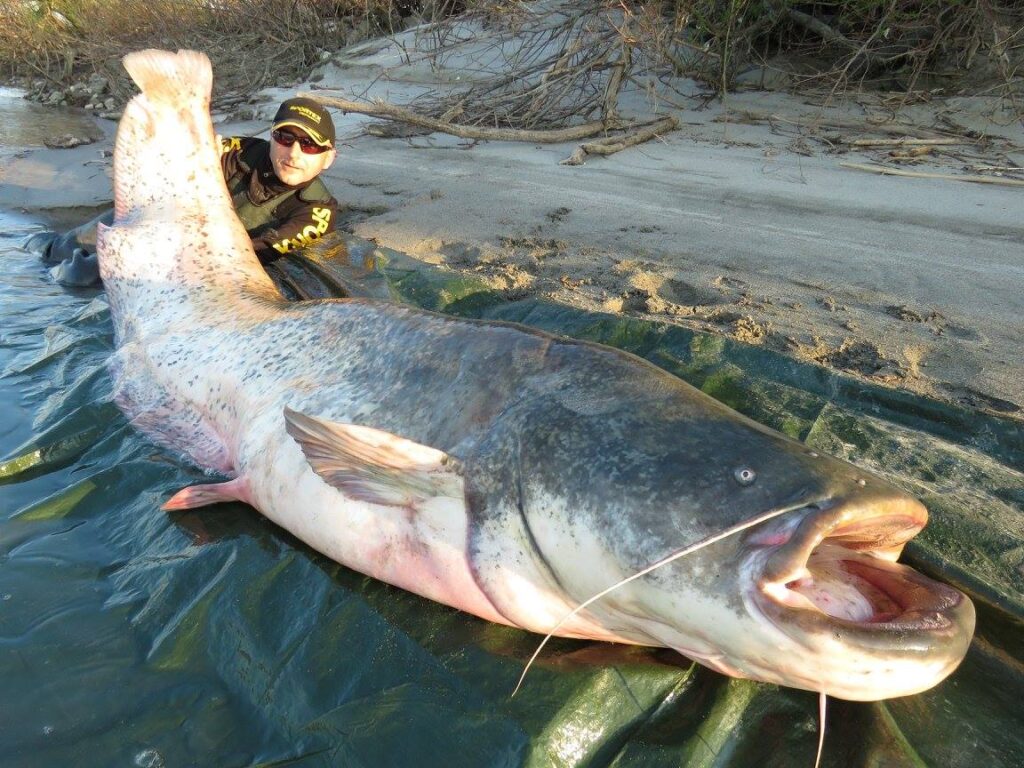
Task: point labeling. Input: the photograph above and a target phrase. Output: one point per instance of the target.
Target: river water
(26, 124)
(133, 637)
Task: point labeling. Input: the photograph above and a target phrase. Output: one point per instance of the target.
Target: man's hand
(81, 269)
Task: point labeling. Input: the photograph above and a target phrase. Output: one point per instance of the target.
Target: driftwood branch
(611, 96)
(998, 168)
(387, 111)
(908, 142)
(613, 144)
(924, 175)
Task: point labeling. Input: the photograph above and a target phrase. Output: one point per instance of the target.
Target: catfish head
(773, 562)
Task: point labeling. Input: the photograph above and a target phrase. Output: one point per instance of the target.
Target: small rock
(98, 84)
(67, 141)
(244, 114)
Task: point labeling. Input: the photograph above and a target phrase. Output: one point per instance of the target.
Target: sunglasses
(307, 145)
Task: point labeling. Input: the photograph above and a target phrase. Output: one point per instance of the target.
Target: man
(274, 186)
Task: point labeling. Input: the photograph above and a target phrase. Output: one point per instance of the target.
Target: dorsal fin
(372, 465)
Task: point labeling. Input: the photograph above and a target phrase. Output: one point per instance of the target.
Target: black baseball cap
(310, 116)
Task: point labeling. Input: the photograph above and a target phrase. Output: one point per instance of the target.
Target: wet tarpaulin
(129, 636)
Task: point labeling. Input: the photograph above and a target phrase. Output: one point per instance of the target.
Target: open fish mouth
(831, 582)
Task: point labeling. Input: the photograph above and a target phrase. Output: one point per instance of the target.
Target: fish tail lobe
(165, 159)
(175, 79)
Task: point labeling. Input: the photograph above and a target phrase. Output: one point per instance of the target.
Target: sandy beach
(743, 222)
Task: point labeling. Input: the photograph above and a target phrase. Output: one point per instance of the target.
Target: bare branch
(886, 171)
(613, 144)
(392, 112)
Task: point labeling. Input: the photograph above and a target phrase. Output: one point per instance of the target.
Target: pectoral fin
(372, 465)
(212, 493)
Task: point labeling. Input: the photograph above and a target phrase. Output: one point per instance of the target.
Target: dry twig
(886, 171)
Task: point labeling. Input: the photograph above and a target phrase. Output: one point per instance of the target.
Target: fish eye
(745, 475)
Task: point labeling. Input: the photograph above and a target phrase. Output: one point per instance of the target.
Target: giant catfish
(498, 469)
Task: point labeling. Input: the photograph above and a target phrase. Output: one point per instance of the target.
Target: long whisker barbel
(707, 541)
(822, 699)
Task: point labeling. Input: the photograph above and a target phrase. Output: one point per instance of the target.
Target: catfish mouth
(836, 576)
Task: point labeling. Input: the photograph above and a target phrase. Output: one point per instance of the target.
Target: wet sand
(732, 224)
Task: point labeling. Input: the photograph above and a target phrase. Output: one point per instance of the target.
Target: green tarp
(129, 636)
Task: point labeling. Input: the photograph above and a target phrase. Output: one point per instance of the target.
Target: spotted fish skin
(492, 467)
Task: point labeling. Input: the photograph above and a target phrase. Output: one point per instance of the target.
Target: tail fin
(173, 217)
(172, 78)
(165, 143)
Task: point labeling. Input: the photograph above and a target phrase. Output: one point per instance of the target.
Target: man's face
(292, 165)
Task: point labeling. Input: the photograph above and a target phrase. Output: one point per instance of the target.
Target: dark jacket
(279, 218)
